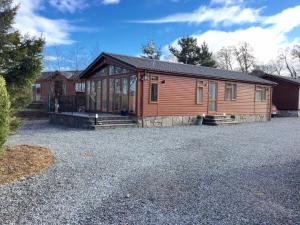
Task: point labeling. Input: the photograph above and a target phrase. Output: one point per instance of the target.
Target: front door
(212, 104)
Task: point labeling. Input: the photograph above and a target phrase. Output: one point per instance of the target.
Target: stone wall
(167, 121)
(288, 113)
(251, 118)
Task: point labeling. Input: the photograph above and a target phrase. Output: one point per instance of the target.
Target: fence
(69, 103)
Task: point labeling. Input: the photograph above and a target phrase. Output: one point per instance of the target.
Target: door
(212, 104)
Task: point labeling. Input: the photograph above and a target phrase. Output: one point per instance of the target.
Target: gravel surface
(241, 174)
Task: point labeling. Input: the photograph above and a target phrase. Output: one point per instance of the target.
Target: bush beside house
(4, 112)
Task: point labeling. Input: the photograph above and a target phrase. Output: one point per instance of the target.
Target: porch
(91, 121)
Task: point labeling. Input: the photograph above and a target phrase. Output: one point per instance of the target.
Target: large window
(88, 93)
(260, 93)
(98, 92)
(230, 91)
(80, 87)
(154, 89)
(104, 95)
(117, 102)
(200, 91)
(132, 96)
(111, 94)
(125, 94)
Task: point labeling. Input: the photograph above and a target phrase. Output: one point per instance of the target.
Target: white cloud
(227, 2)
(110, 2)
(226, 15)
(68, 5)
(266, 39)
(28, 21)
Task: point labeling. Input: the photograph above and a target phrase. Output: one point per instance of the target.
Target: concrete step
(124, 121)
(218, 117)
(113, 118)
(216, 123)
(114, 126)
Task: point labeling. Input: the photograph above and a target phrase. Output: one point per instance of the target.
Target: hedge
(4, 112)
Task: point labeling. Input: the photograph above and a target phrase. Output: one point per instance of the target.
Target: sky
(76, 31)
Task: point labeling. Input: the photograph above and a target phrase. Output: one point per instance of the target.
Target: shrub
(4, 112)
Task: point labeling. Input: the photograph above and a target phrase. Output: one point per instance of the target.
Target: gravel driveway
(242, 174)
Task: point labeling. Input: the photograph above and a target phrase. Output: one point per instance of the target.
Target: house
(57, 84)
(159, 93)
(286, 95)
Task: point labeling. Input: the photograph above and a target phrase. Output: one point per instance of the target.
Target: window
(260, 93)
(230, 92)
(154, 89)
(80, 87)
(200, 91)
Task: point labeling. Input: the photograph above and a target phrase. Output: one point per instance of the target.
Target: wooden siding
(285, 94)
(177, 96)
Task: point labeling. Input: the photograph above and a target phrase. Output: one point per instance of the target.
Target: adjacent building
(56, 84)
(286, 94)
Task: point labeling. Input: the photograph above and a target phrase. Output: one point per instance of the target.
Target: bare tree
(274, 67)
(225, 58)
(285, 56)
(296, 52)
(244, 57)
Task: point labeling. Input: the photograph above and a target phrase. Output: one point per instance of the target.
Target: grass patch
(21, 161)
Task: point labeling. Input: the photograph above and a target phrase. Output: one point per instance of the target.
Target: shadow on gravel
(266, 195)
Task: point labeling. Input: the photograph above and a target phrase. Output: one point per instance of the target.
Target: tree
(286, 56)
(4, 112)
(150, 51)
(191, 53)
(244, 57)
(225, 58)
(20, 55)
(206, 58)
(296, 52)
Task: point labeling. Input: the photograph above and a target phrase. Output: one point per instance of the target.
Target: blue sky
(122, 26)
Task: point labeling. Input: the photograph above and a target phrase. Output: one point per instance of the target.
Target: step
(113, 118)
(210, 123)
(114, 126)
(124, 121)
(217, 117)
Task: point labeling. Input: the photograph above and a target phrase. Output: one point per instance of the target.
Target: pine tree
(150, 51)
(20, 56)
(206, 58)
(191, 53)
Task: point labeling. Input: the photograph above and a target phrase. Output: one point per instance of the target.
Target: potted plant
(199, 120)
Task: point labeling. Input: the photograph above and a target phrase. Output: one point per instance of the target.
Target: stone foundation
(288, 113)
(251, 118)
(167, 121)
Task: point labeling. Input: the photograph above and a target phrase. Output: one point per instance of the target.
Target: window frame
(199, 84)
(80, 87)
(263, 91)
(233, 93)
(154, 81)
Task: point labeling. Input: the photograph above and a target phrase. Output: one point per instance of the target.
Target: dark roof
(284, 78)
(178, 68)
(67, 74)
